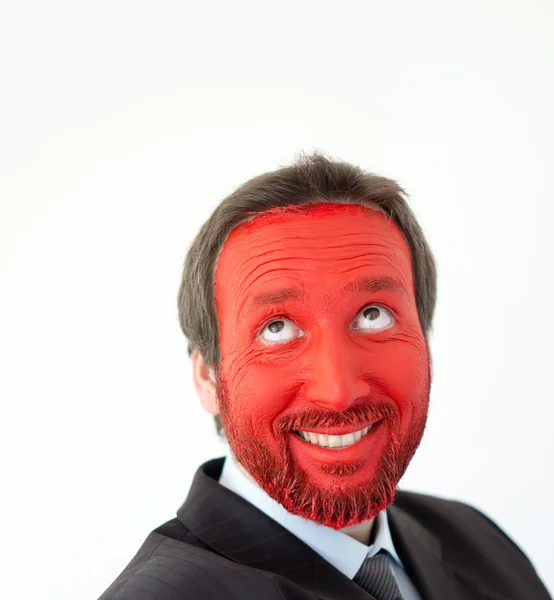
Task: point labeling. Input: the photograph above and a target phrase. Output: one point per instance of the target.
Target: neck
(360, 532)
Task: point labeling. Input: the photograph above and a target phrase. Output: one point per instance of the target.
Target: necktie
(375, 576)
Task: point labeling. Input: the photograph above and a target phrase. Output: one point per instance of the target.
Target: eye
(373, 318)
(280, 331)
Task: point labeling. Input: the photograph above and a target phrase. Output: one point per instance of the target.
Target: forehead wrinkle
(370, 249)
(263, 242)
(284, 243)
(268, 245)
(385, 256)
(394, 261)
(380, 248)
(248, 295)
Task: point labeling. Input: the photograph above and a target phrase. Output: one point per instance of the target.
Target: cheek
(258, 391)
(402, 367)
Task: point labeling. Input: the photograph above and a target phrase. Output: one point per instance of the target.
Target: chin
(334, 494)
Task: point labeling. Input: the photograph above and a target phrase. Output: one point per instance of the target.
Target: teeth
(348, 440)
(334, 441)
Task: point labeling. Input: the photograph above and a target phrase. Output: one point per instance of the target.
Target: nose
(334, 379)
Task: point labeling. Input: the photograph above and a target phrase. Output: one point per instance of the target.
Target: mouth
(335, 441)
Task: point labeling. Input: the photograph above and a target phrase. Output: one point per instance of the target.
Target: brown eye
(373, 318)
(371, 313)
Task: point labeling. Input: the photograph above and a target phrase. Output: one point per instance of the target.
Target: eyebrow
(360, 284)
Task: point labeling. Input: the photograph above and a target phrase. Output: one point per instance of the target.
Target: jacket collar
(421, 555)
(240, 532)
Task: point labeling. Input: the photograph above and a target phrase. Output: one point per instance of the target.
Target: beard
(344, 503)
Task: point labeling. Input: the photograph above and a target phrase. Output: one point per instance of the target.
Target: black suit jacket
(221, 547)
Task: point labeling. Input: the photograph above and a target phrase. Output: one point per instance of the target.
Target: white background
(122, 124)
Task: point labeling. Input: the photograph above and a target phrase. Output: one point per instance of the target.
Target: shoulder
(470, 541)
(163, 568)
(178, 566)
(451, 519)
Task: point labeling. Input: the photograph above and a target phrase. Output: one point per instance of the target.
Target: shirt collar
(344, 552)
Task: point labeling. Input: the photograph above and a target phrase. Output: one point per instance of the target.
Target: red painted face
(319, 334)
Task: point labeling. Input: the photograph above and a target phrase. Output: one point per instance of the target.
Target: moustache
(314, 419)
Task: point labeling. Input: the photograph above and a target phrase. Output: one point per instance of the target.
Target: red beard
(345, 503)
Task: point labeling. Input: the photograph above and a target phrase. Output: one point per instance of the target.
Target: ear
(204, 382)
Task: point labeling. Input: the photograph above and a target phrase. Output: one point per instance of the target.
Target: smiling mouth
(335, 441)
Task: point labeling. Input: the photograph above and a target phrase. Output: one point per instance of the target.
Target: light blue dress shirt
(344, 552)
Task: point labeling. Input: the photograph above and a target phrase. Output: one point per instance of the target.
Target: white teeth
(314, 438)
(348, 439)
(334, 441)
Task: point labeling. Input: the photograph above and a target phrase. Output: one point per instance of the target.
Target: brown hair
(310, 179)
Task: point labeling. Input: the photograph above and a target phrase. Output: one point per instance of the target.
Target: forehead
(316, 246)
(314, 234)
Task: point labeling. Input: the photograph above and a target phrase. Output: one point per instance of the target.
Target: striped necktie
(375, 576)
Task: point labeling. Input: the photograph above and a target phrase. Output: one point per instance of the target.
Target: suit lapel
(242, 533)
(420, 552)
(235, 529)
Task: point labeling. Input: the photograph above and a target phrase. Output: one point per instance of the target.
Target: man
(307, 299)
